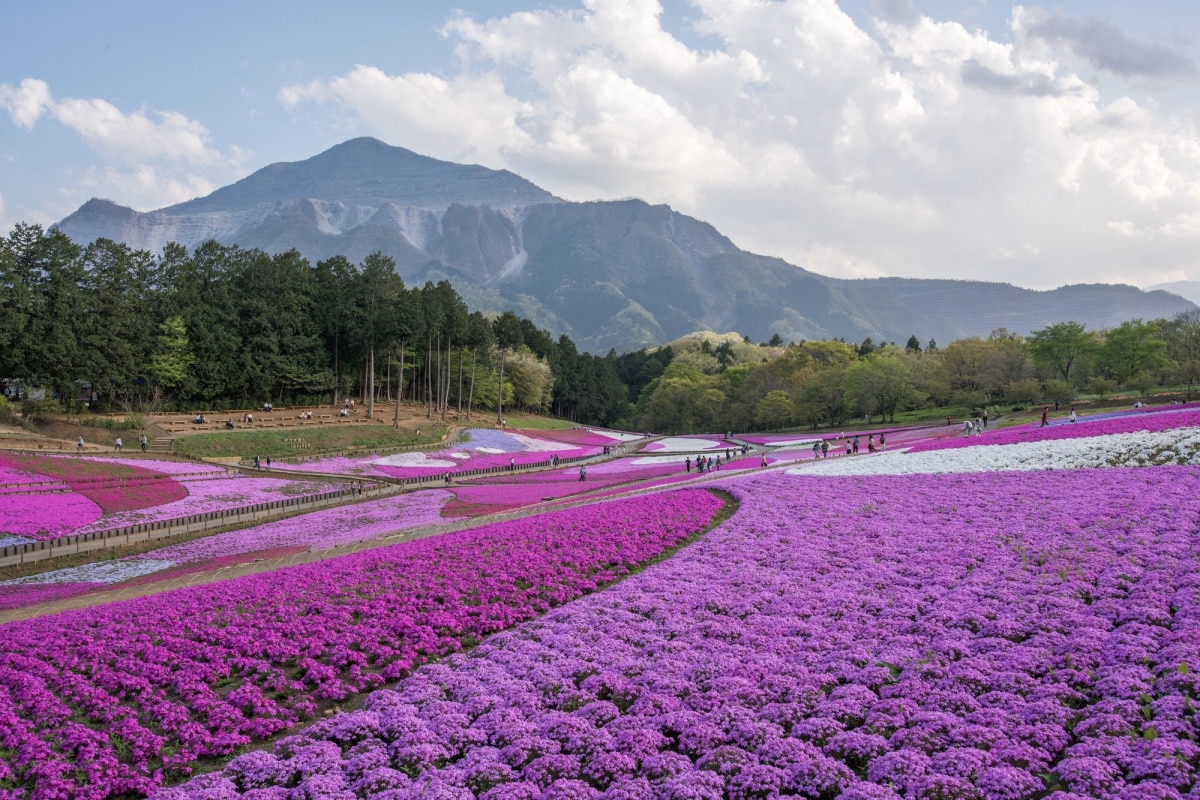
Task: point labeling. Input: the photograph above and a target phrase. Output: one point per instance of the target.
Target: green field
(303, 441)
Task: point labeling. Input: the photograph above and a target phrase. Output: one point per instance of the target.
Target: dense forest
(223, 327)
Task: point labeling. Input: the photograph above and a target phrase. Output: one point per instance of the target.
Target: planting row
(1173, 446)
(321, 529)
(102, 701)
(1161, 420)
(1002, 635)
(104, 505)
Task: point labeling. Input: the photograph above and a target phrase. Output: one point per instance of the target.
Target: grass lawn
(528, 422)
(303, 441)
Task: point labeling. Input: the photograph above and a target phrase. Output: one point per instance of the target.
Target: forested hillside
(223, 327)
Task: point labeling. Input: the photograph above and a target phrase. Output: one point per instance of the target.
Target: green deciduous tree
(508, 337)
(1059, 350)
(880, 384)
(1132, 348)
(774, 410)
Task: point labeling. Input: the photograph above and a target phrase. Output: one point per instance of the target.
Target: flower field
(1009, 617)
(484, 448)
(99, 702)
(51, 496)
(1101, 425)
(505, 492)
(923, 636)
(321, 529)
(1063, 452)
(114, 486)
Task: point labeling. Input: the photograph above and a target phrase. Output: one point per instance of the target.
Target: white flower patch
(806, 442)
(1179, 446)
(413, 460)
(620, 437)
(490, 450)
(100, 572)
(683, 444)
(653, 461)
(531, 445)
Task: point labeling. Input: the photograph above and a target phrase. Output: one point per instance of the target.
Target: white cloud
(137, 136)
(469, 115)
(917, 147)
(133, 137)
(149, 159)
(26, 102)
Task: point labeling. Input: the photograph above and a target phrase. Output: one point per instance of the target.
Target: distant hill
(1188, 290)
(621, 274)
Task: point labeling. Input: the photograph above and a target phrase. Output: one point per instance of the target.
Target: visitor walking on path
(117, 444)
(882, 443)
(144, 442)
(1045, 414)
(79, 445)
(583, 473)
(1072, 417)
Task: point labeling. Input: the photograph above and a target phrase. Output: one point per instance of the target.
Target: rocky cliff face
(617, 275)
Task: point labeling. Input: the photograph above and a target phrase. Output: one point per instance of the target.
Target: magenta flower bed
(316, 530)
(319, 529)
(36, 594)
(13, 475)
(504, 492)
(173, 468)
(45, 515)
(113, 486)
(484, 461)
(1161, 421)
(93, 702)
(206, 494)
(986, 636)
(477, 499)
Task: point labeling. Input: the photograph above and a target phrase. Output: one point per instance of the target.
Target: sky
(1033, 144)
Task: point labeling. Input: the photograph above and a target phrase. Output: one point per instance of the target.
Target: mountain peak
(368, 172)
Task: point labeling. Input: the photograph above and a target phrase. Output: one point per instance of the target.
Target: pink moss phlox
(1127, 423)
(996, 635)
(93, 702)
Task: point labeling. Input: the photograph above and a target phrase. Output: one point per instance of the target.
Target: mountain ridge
(618, 274)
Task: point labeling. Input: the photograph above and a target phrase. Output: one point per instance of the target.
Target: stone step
(162, 444)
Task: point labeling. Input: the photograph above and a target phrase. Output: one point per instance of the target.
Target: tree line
(722, 383)
(224, 327)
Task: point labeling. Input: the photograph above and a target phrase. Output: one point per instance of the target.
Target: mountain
(621, 274)
(1188, 290)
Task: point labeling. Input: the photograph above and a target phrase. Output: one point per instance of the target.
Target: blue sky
(1034, 144)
